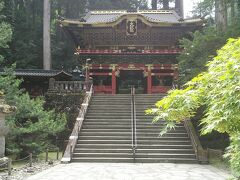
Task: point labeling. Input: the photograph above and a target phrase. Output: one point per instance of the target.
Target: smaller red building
(36, 81)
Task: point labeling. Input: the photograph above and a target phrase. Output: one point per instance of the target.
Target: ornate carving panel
(130, 32)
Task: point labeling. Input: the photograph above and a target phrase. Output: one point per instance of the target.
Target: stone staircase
(174, 147)
(106, 134)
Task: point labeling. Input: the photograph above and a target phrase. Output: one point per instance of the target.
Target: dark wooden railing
(134, 123)
(66, 86)
(201, 154)
(67, 157)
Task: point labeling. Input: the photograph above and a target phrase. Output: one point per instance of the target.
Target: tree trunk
(154, 4)
(179, 7)
(46, 35)
(221, 15)
(165, 4)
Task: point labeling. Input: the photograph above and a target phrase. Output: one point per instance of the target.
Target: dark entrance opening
(130, 78)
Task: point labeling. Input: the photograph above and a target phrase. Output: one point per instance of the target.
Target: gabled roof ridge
(108, 12)
(160, 11)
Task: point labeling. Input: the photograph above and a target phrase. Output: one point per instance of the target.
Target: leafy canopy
(30, 126)
(218, 89)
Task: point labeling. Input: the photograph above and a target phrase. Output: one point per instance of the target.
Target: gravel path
(24, 172)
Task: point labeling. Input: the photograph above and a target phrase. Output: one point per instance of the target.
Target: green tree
(198, 50)
(6, 31)
(30, 126)
(25, 18)
(218, 89)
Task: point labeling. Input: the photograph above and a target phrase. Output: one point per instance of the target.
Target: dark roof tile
(37, 72)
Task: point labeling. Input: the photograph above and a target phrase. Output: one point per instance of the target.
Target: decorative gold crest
(131, 27)
(131, 66)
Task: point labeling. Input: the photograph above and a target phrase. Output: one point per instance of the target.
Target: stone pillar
(2, 134)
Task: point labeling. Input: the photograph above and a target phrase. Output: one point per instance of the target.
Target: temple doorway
(128, 78)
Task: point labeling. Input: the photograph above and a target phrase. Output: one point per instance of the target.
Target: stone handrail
(134, 123)
(67, 157)
(201, 154)
(66, 86)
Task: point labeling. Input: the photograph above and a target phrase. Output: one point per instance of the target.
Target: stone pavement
(123, 171)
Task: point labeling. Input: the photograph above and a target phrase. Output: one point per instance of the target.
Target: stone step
(128, 130)
(140, 142)
(109, 100)
(104, 150)
(174, 134)
(127, 121)
(104, 155)
(120, 116)
(129, 146)
(167, 160)
(139, 138)
(131, 160)
(112, 114)
(153, 151)
(102, 160)
(138, 155)
(128, 127)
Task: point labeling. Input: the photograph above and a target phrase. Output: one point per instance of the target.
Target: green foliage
(27, 21)
(218, 89)
(233, 153)
(31, 125)
(204, 8)
(201, 49)
(6, 31)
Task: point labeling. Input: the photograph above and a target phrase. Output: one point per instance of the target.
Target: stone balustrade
(66, 86)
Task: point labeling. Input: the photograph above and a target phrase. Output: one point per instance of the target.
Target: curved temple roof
(153, 16)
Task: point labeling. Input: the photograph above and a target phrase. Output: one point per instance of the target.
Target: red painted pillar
(149, 81)
(114, 81)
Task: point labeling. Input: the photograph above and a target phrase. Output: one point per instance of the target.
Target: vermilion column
(149, 81)
(114, 81)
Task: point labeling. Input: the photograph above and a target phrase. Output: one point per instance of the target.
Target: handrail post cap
(80, 119)
(72, 137)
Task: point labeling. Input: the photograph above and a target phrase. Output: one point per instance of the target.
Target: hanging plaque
(131, 27)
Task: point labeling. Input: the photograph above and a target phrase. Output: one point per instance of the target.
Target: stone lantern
(3, 131)
(4, 109)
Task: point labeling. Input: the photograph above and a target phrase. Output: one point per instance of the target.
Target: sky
(188, 7)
